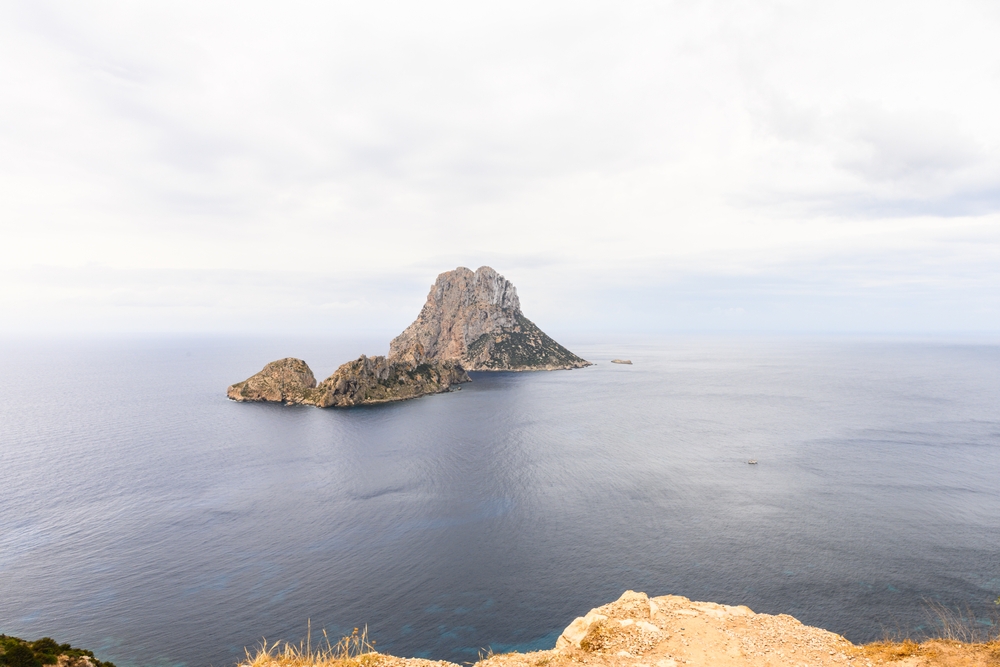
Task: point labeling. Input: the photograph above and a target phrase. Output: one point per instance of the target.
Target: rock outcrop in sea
(475, 319)
(287, 380)
(364, 381)
(368, 380)
(471, 321)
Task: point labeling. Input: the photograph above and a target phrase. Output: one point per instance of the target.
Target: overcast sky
(633, 167)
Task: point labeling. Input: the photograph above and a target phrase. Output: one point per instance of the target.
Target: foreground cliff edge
(471, 321)
(667, 631)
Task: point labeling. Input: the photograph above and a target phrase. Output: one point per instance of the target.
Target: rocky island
(364, 381)
(472, 320)
(475, 319)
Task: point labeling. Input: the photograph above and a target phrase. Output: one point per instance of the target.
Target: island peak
(474, 318)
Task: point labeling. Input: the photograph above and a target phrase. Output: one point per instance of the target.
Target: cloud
(897, 148)
(344, 143)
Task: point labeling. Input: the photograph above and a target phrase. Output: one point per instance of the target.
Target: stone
(286, 380)
(474, 318)
(577, 630)
(622, 361)
(364, 381)
(370, 380)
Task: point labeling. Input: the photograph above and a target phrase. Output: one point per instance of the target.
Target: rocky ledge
(670, 631)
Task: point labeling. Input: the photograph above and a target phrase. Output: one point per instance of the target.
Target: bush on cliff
(16, 652)
(19, 655)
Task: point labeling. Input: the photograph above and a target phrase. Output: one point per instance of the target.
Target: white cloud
(350, 144)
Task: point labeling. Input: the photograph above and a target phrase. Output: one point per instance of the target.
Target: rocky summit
(474, 318)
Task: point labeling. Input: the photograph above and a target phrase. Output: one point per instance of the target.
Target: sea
(146, 517)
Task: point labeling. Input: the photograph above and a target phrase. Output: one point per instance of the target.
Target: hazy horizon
(241, 169)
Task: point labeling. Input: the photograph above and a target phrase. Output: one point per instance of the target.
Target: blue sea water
(146, 517)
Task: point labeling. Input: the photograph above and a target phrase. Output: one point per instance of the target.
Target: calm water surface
(144, 516)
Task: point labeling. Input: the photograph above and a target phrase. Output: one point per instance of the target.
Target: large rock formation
(363, 381)
(470, 321)
(369, 380)
(475, 319)
(286, 380)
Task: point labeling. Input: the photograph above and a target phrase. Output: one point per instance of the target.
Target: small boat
(752, 462)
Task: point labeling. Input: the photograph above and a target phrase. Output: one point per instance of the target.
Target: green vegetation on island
(522, 346)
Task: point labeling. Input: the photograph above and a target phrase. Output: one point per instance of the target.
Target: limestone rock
(368, 380)
(472, 320)
(673, 631)
(577, 631)
(364, 381)
(622, 361)
(637, 630)
(286, 380)
(475, 319)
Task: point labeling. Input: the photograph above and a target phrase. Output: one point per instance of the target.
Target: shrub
(19, 655)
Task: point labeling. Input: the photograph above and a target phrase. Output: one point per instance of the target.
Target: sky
(309, 168)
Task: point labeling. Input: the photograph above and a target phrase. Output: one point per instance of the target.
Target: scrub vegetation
(354, 650)
(15, 652)
(957, 639)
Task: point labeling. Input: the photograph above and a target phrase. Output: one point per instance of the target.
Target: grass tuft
(958, 639)
(353, 650)
(962, 625)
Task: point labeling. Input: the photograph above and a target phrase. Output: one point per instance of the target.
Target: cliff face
(475, 319)
(363, 381)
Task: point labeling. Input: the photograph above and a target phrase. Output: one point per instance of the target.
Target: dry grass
(962, 626)
(888, 650)
(959, 640)
(934, 653)
(354, 650)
